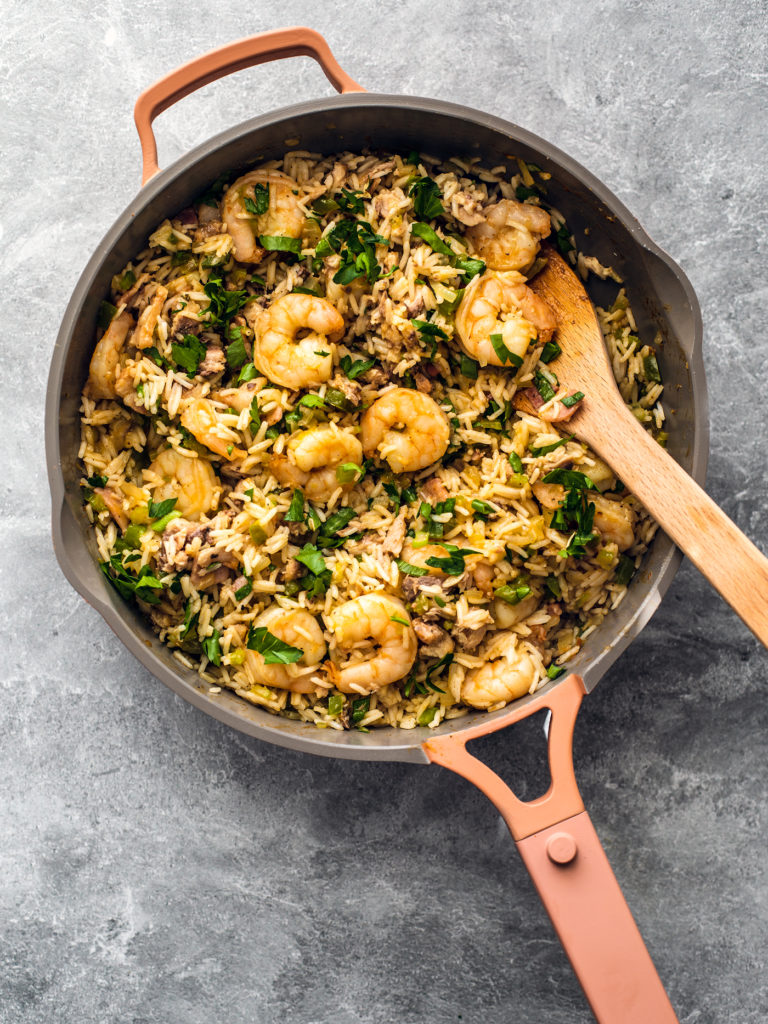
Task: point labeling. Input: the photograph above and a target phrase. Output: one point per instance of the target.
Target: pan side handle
(245, 53)
(563, 855)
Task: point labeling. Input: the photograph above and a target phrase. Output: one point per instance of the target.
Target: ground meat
(349, 388)
(395, 535)
(434, 490)
(213, 363)
(433, 640)
(467, 638)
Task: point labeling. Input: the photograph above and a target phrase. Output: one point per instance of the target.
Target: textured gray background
(157, 867)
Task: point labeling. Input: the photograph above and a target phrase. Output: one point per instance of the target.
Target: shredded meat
(422, 381)
(376, 377)
(395, 535)
(468, 638)
(211, 566)
(415, 307)
(114, 503)
(349, 388)
(212, 227)
(213, 363)
(434, 490)
(182, 324)
(466, 209)
(434, 641)
(412, 586)
(174, 554)
(293, 570)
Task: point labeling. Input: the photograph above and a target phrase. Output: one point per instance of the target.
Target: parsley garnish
(280, 243)
(547, 448)
(188, 353)
(408, 569)
(550, 351)
(222, 303)
(427, 198)
(236, 354)
(327, 536)
(143, 586)
(260, 202)
(453, 565)
(212, 648)
(433, 240)
(574, 399)
(503, 353)
(295, 513)
(273, 650)
(354, 369)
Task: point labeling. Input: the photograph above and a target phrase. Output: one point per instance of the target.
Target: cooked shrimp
(199, 417)
(406, 428)
(294, 626)
(105, 361)
(508, 673)
(313, 458)
(508, 238)
(614, 520)
(283, 217)
(191, 481)
(506, 615)
(502, 304)
(143, 336)
(292, 338)
(242, 398)
(372, 617)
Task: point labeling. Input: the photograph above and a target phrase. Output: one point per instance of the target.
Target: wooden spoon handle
(728, 559)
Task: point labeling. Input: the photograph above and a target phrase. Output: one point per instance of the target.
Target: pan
(553, 833)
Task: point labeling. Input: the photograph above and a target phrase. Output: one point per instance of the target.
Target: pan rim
(407, 745)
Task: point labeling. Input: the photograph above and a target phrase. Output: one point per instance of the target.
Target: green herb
(295, 513)
(554, 671)
(550, 351)
(106, 315)
(236, 354)
(338, 400)
(335, 705)
(413, 158)
(131, 539)
(247, 373)
(360, 708)
(311, 557)
(563, 240)
(96, 481)
(513, 593)
(570, 400)
(190, 621)
(486, 424)
(260, 202)
(625, 570)
(212, 648)
(188, 354)
(503, 353)
(312, 402)
(325, 204)
(223, 303)
(354, 369)
(430, 236)
(523, 192)
(427, 198)
(179, 259)
(156, 358)
(273, 650)
(408, 569)
(161, 508)
(349, 201)
(545, 449)
(349, 471)
(161, 523)
(570, 478)
(355, 241)
(143, 585)
(437, 529)
(552, 584)
(482, 509)
(327, 536)
(244, 591)
(545, 384)
(468, 367)
(396, 618)
(122, 282)
(651, 367)
(254, 415)
(516, 462)
(436, 670)
(454, 564)
(280, 243)
(468, 267)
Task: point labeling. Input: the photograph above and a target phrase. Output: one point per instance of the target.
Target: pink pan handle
(563, 855)
(284, 42)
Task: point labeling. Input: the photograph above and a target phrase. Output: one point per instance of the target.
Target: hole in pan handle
(245, 53)
(563, 855)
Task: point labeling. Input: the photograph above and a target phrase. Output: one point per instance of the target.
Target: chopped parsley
(468, 367)
(453, 565)
(570, 400)
(427, 198)
(408, 569)
(327, 535)
(431, 237)
(142, 585)
(236, 353)
(353, 369)
(223, 303)
(274, 650)
(188, 353)
(260, 202)
(545, 449)
(355, 241)
(503, 353)
(212, 648)
(280, 243)
(550, 351)
(543, 382)
(295, 513)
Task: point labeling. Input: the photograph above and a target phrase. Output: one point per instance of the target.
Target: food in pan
(306, 452)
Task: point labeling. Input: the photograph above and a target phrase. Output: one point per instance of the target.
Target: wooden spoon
(731, 562)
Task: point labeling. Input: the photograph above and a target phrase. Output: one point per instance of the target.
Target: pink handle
(284, 42)
(563, 855)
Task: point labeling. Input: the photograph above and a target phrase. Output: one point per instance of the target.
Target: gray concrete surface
(159, 868)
